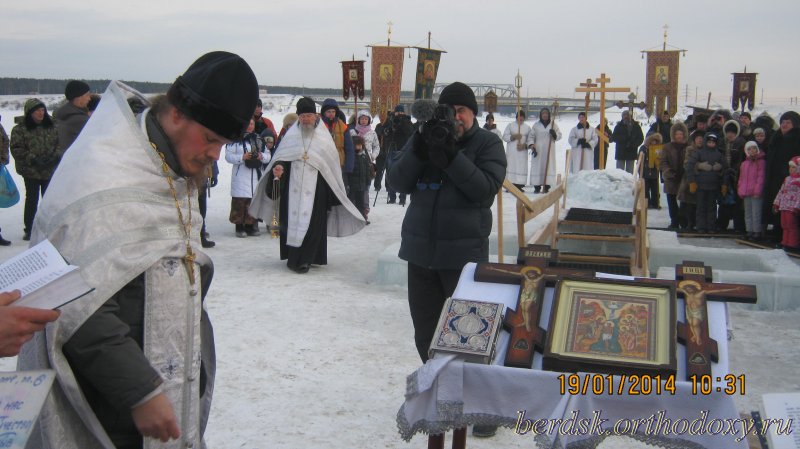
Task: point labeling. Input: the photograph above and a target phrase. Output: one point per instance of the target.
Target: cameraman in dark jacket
(394, 134)
(453, 169)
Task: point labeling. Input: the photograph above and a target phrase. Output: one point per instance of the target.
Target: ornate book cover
(468, 329)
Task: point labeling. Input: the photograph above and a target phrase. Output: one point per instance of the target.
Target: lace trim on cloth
(652, 440)
(412, 384)
(451, 417)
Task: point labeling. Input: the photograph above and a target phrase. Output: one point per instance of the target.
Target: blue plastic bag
(9, 195)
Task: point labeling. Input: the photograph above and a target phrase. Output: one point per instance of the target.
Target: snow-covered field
(319, 360)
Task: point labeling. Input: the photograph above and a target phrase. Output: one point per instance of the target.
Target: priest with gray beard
(310, 193)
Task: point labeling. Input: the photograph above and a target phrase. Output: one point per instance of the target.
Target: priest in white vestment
(312, 200)
(135, 357)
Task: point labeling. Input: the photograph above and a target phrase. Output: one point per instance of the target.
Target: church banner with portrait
(427, 69)
(744, 91)
(387, 73)
(662, 82)
(353, 79)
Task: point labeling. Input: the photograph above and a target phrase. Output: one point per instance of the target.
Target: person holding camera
(582, 139)
(249, 158)
(453, 169)
(396, 132)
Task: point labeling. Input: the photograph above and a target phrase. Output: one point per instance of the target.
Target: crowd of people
(718, 171)
(724, 173)
(137, 353)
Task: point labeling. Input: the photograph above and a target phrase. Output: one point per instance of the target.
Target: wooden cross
(602, 89)
(694, 284)
(588, 84)
(532, 274)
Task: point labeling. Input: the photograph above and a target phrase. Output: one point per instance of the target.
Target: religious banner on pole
(387, 72)
(353, 79)
(490, 101)
(744, 90)
(427, 68)
(662, 81)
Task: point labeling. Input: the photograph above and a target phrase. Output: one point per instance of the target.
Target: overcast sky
(554, 44)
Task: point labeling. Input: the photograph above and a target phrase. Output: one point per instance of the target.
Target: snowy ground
(320, 360)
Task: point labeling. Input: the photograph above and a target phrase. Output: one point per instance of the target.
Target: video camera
(441, 128)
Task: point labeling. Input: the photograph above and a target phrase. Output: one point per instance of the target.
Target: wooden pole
(708, 102)
(500, 225)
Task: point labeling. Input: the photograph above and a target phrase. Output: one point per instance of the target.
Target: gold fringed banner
(427, 69)
(744, 90)
(662, 81)
(353, 79)
(387, 72)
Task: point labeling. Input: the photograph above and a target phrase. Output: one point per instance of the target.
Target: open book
(781, 418)
(45, 279)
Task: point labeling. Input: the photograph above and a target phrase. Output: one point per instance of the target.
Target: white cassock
(582, 158)
(517, 168)
(544, 164)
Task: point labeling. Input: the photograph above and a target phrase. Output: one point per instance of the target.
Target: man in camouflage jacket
(34, 145)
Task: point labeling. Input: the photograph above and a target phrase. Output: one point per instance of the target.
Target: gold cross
(188, 260)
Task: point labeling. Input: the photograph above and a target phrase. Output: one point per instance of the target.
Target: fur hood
(679, 126)
(363, 113)
(732, 124)
(653, 139)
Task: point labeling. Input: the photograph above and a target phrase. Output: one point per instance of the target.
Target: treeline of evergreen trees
(31, 86)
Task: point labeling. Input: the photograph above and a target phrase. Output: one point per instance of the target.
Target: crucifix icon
(694, 284)
(533, 274)
(588, 84)
(602, 89)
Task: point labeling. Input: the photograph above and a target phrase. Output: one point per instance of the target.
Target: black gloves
(420, 149)
(553, 134)
(584, 144)
(212, 182)
(442, 154)
(535, 153)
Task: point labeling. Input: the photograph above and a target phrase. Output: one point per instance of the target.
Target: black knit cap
(218, 91)
(306, 105)
(459, 94)
(75, 89)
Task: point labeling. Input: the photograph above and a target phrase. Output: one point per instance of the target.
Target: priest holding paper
(135, 357)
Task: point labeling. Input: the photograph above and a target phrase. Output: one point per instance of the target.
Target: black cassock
(314, 249)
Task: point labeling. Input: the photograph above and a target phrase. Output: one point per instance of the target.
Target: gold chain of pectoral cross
(186, 226)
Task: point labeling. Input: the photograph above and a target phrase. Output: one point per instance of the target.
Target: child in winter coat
(705, 170)
(650, 171)
(788, 203)
(359, 180)
(751, 187)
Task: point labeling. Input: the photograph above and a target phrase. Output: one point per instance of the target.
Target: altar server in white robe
(516, 135)
(542, 141)
(134, 359)
(582, 139)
